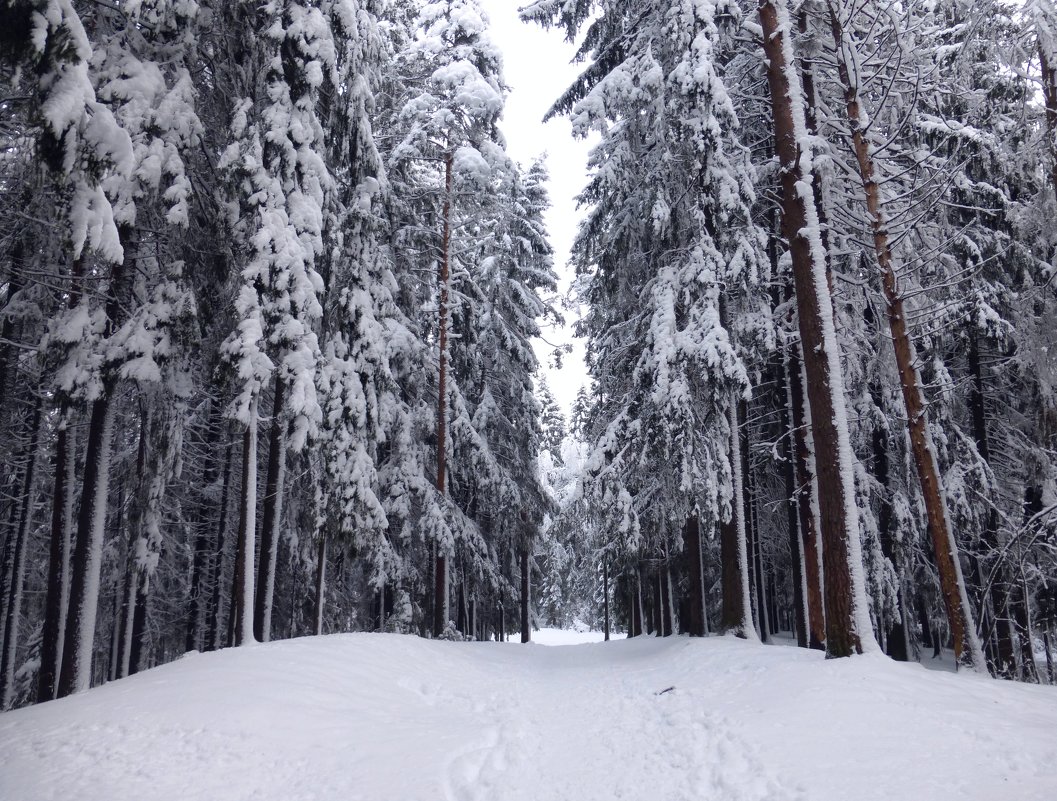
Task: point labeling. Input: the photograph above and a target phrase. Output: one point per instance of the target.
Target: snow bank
(396, 718)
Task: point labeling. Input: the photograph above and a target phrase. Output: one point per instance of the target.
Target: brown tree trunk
(440, 586)
(271, 517)
(846, 624)
(952, 586)
(692, 538)
(804, 472)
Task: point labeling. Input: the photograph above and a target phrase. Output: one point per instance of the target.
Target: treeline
(818, 263)
(268, 281)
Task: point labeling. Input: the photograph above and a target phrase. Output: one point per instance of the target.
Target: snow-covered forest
(271, 289)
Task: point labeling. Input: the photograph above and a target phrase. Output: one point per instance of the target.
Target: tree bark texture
(271, 517)
(243, 583)
(440, 579)
(692, 539)
(847, 623)
(967, 647)
(76, 673)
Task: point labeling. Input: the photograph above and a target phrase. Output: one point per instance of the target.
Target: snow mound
(396, 718)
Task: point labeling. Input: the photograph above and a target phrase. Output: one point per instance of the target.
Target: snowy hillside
(397, 718)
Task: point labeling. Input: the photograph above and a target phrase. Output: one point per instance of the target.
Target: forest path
(366, 717)
(604, 730)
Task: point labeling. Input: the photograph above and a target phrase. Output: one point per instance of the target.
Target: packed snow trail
(394, 718)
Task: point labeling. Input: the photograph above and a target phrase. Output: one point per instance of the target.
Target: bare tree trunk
(213, 616)
(752, 539)
(805, 504)
(440, 580)
(272, 516)
(605, 595)
(321, 577)
(76, 674)
(737, 608)
(526, 600)
(57, 603)
(1004, 664)
(692, 538)
(243, 584)
(848, 628)
(967, 647)
(1048, 64)
(13, 612)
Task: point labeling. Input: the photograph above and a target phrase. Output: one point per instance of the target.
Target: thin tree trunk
(213, 616)
(754, 547)
(526, 600)
(967, 647)
(737, 608)
(272, 515)
(1005, 664)
(605, 596)
(243, 584)
(57, 603)
(805, 502)
(440, 579)
(128, 604)
(321, 577)
(1048, 64)
(76, 673)
(848, 627)
(13, 613)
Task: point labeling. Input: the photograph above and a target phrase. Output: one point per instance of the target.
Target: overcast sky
(536, 64)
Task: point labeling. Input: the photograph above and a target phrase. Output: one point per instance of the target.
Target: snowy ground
(393, 718)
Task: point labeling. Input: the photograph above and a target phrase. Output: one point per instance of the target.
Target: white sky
(536, 64)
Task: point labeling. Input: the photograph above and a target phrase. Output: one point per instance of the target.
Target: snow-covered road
(391, 718)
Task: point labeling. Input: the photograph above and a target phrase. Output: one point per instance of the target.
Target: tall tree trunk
(805, 501)
(242, 588)
(526, 587)
(134, 524)
(1044, 19)
(321, 577)
(273, 511)
(76, 673)
(57, 604)
(213, 616)
(440, 579)
(605, 596)
(737, 608)
(848, 627)
(13, 612)
(692, 538)
(967, 647)
(1005, 663)
(753, 545)
(796, 544)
